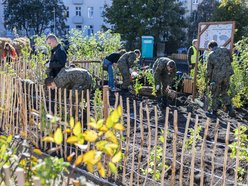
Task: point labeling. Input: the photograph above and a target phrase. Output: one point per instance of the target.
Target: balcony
(78, 2)
(77, 19)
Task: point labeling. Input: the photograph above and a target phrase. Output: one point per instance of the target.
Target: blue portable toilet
(147, 46)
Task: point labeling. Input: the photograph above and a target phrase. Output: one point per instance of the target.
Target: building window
(79, 27)
(67, 11)
(90, 30)
(90, 12)
(101, 9)
(78, 11)
(195, 2)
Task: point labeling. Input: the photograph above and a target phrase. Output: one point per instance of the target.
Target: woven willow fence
(155, 153)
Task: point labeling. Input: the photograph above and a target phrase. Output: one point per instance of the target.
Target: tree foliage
(162, 19)
(234, 10)
(202, 14)
(34, 15)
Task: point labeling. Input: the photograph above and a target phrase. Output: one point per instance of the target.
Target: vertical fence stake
(6, 171)
(105, 101)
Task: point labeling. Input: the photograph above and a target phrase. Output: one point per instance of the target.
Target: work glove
(47, 64)
(157, 87)
(130, 70)
(134, 74)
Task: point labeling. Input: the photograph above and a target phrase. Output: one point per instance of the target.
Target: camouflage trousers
(219, 94)
(125, 76)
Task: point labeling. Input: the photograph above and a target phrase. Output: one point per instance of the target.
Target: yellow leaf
(72, 139)
(101, 169)
(77, 129)
(109, 122)
(109, 135)
(108, 150)
(117, 157)
(100, 144)
(112, 145)
(34, 159)
(37, 151)
(67, 130)
(96, 158)
(92, 120)
(90, 135)
(92, 124)
(72, 122)
(90, 167)
(115, 116)
(80, 138)
(88, 156)
(82, 147)
(100, 133)
(9, 139)
(69, 158)
(58, 136)
(79, 160)
(104, 128)
(119, 126)
(112, 167)
(53, 150)
(99, 123)
(48, 139)
(119, 110)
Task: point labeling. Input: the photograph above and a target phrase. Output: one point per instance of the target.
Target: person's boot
(212, 114)
(231, 111)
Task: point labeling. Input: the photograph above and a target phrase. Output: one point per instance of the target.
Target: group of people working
(219, 71)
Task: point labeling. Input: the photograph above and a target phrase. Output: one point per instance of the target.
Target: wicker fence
(155, 153)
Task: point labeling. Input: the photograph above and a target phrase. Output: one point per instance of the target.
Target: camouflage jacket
(127, 59)
(161, 74)
(219, 65)
(73, 78)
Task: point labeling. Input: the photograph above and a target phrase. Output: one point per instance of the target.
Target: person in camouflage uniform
(71, 79)
(164, 72)
(125, 64)
(219, 71)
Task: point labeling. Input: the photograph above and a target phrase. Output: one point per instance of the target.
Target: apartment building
(80, 14)
(85, 14)
(190, 6)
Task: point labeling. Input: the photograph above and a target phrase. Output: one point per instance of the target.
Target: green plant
(99, 103)
(104, 151)
(137, 86)
(201, 82)
(242, 144)
(156, 156)
(50, 170)
(151, 81)
(7, 151)
(189, 141)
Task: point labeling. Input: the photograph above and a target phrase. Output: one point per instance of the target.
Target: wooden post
(36, 181)
(6, 171)
(105, 102)
(193, 154)
(174, 144)
(226, 154)
(20, 177)
(237, 157)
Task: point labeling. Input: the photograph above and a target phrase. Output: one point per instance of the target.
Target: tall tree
(34, 15)
(234, 10)
(162, 19)
(202, 14)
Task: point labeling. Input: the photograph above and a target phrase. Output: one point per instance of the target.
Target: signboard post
(221, 32)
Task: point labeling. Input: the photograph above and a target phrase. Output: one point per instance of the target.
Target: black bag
(105, 67)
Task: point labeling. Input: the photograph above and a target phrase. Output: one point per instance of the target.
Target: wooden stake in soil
(175, 123)
(183, 149)
(193, 154)
(155, 142)
(203, 152)
(20, 177)
(214, 149)
(134, 143)
(166, 124)
(237, 157)
(141, 141)
(226, 154)
(7, 177)
(105, 101)
(127, 143)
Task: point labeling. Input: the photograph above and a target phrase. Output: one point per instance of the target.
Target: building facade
(190, 6)
(85, 14)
